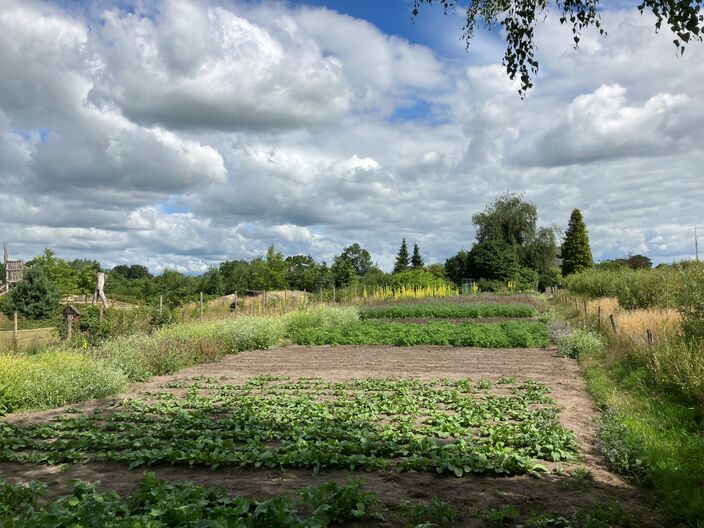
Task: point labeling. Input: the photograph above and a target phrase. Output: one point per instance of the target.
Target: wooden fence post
(585, 310)
(14, 326)
(201, 306)
(264, 303)
(235, 310)
(69, 321)
(649, 334)
(598, 318)
(613, 323)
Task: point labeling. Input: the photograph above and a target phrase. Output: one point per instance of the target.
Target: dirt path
(554, 494)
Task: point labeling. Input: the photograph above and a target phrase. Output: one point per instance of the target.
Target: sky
(181, 133)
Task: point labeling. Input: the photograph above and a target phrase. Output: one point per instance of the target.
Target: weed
(580, 343)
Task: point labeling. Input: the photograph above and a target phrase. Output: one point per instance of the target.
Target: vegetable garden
(258, 421)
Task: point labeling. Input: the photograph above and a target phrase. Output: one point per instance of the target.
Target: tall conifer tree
(416, 259)
(576, 252)
(402, 260)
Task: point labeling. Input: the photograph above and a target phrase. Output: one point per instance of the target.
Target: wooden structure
(99, 290)
(70, 314)
(14, 269)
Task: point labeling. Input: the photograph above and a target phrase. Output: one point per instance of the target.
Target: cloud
(184, 133)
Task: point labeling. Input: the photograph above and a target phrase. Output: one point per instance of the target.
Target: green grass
(446, 426)
(7, 324)
(52, 379)
(511, 334)
(651, 435)
(447, 310)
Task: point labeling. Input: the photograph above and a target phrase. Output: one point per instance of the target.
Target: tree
(236, 275)
(357, 257)
(639, 262)
(57, 270)
(518, 18)
(34, 297)
(493, 260)
(437, 269)
(416, 259)
(457, 267)
(509, 218)
(402, 260)
(212, 282)
(576, 253)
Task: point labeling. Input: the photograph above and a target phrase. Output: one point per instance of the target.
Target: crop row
(447, 310)
(510, 334)
(387, 424)
(158, 504)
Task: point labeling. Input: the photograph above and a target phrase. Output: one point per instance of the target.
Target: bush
(55, 378)
(619, 447)
(580, 343)
(690, 301)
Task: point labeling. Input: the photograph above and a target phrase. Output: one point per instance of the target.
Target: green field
(446, 310)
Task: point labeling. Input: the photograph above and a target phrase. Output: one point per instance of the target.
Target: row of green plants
(59, 376)
(451, 427)
(651, 429)
(156, 503)
(446, 310)
(510, 334)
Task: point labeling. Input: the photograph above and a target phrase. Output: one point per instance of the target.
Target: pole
(70, 324)
(201, 306)
(14, 326)
(161, 304)
(613, 323)
(235, 310)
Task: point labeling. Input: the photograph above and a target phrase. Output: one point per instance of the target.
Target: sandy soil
(555, 494)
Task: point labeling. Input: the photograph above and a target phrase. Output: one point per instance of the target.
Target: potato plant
(447, 310)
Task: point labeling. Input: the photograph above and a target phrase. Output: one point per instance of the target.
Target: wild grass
(55, 378)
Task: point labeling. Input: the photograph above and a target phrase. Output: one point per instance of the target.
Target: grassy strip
(52, 379)
(510, 334)
(156, 504)
(447, 310)
(276, 422)
(651, 435)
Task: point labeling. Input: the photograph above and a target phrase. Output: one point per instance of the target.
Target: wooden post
(649, 334)
(235, 310)
(14, 326)
(161, 304)
(69, 321)
(333, 293)
(613, 323)
(201, 306)
(251, 309)
(598, 318)
(264, 303)
(585, 309)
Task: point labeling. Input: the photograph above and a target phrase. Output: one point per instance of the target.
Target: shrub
(55, 378)
(323, 318)
(690, 300)
(580, 343)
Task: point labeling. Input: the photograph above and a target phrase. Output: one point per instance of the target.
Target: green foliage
(449, 426)
(576, 252)
(509, 218)
(580, 343)
(413, 277)
(160, 504)
(651, 434)
(353, 262)
(55, 378)
(690, 300)
(58, 271)
(435, 513)
(402, 261)
(323, 318)
(446, 310)
(457, 267)
(500, 516)
(35, 297)
(512, 334)
(416, 259)
(494, 260)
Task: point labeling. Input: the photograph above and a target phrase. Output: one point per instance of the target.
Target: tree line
(510, 250)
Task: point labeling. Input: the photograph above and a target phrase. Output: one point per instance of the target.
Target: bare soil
(554, 494)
